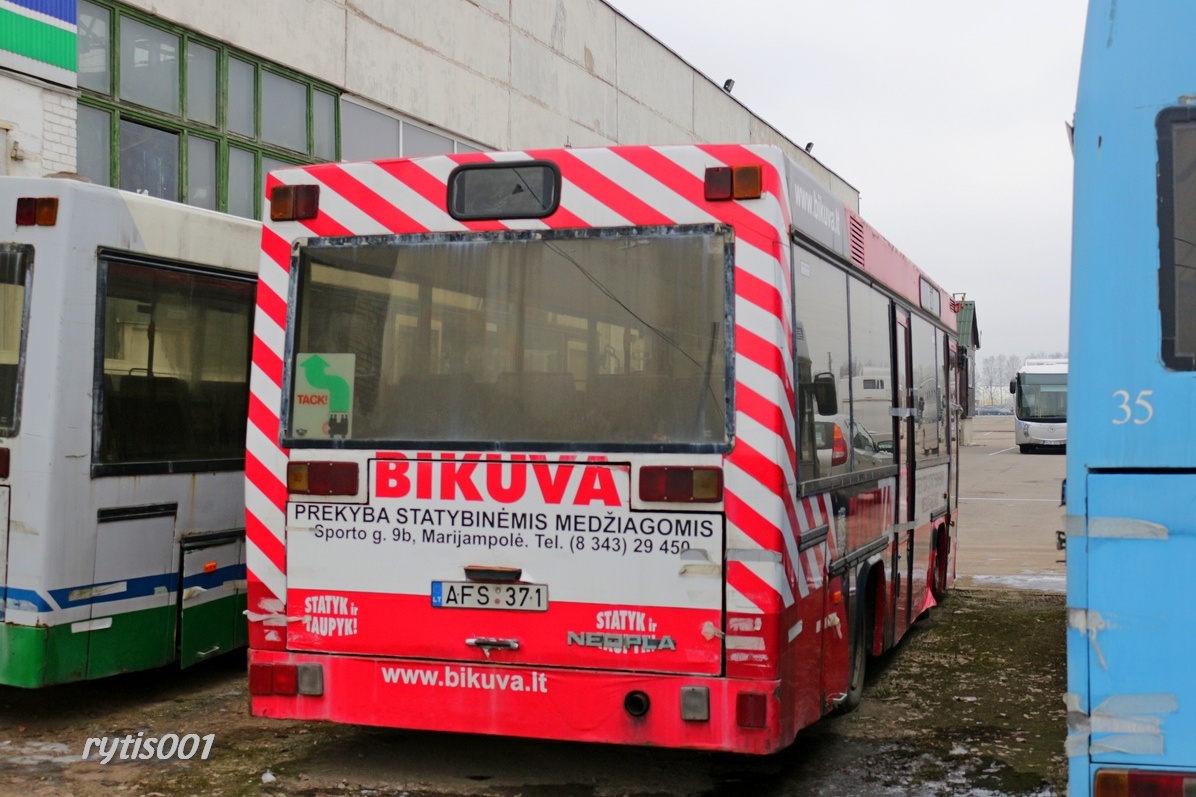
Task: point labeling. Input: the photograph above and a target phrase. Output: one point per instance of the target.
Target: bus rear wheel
(859, 661)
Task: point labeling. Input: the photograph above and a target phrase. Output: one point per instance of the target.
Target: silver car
(831, 436)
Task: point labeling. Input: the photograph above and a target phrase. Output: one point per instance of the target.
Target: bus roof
(140, 223)
(815, 211)
(1044, 367)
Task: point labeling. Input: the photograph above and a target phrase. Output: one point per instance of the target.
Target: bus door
(954, 421)
(132, 606)
(957, 397)
(15, 262)
(4, 496)
(903, 533)
(210, 620)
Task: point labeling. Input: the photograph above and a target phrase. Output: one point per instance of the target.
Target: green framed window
(167, 112)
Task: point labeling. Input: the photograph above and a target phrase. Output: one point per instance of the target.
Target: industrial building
(196, 100)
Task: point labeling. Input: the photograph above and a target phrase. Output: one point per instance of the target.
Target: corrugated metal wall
(37, 38)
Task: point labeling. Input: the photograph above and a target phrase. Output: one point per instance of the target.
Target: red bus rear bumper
(550, 703)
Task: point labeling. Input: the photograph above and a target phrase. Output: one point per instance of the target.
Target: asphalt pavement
(1009, 511)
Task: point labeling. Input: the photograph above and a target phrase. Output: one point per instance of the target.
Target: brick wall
(58, 132)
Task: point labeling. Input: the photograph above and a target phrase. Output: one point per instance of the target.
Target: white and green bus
(125, 346)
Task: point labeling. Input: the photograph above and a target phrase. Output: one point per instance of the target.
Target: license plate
(1054, 442)
(471, 595)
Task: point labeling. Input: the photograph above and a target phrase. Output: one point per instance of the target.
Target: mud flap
(929, 603)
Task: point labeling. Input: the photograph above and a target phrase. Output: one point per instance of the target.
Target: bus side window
(8, 379)
(149, 418)
(176, 345)
(1177, 288)
(820, 307)
(870, 385)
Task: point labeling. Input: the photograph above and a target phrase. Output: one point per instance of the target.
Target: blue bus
(1131, 466)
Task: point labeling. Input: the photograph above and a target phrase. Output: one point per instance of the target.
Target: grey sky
(947, 116)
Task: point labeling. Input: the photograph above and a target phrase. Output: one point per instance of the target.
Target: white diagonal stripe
(258, 564)
(423, 211)
(739, 603)
(588, 208)
(647, 188)
(270, 333)
(275, 276)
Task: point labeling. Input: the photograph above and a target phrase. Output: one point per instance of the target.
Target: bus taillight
(5, 459)
(681, 484)
(751, 710)
(1122, 783)
(261, 679)
(322, 478)
(284, 678)
(40, 211)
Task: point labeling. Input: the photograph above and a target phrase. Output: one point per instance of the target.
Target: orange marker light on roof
(747, 182)
(718, 183)
(294, 202)
(733, 182)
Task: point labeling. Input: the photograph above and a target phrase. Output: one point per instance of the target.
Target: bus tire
(942, 551)
(859, 660)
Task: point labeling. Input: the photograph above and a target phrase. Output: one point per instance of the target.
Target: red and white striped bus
(533, 447)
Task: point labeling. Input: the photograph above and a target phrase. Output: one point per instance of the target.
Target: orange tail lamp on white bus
(686, 485)
(39, 211)
(322, 478)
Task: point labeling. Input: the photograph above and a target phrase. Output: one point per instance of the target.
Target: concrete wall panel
(582, 31)
(499, 8)
(542, 76)
(534, 126)
(717, 117)
(485, 49)
(400, 74)
(654, 76)
(639, 124)
(761, 133)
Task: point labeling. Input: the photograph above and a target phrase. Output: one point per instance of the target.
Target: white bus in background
(871, 395)
(125, 331)
(1040, 404)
